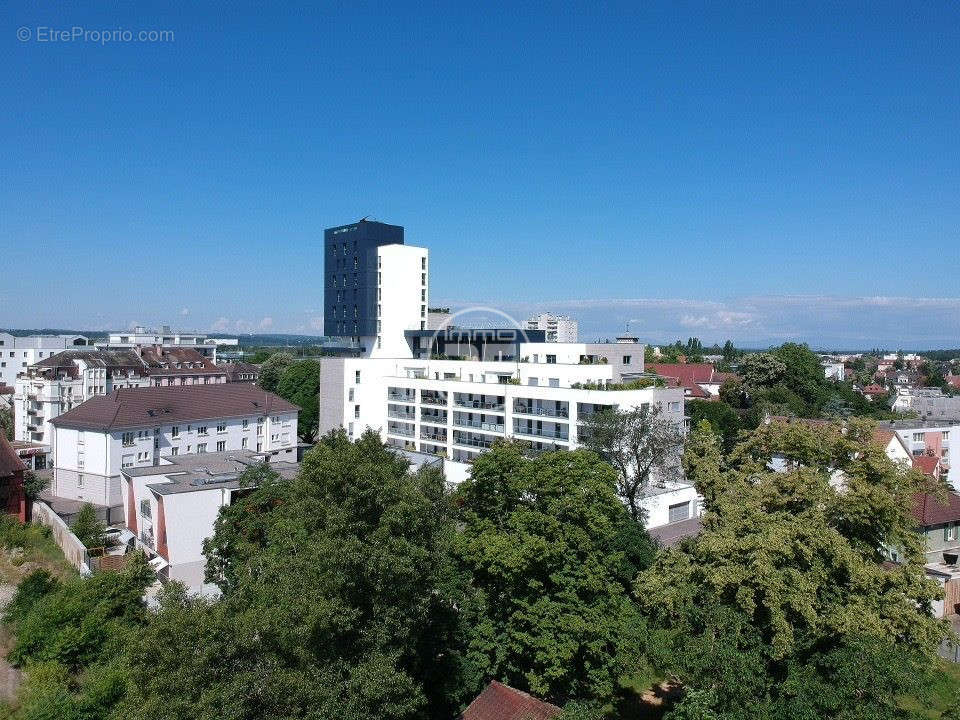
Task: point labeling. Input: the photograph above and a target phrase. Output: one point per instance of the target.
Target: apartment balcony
(527, 408)
(400, 415)
(32, 412)
(437, 418)
(394, 429)
(549, 433)
(402, 395)
(473, 440)
(431, 397)
(34, 427)
(484, 402)
(433, 436)
(479, 425)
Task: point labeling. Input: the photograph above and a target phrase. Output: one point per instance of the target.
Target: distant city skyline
(758, 173)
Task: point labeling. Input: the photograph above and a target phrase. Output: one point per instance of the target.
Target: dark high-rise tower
(350, 276)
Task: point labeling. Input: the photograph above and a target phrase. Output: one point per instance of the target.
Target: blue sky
(759, 173)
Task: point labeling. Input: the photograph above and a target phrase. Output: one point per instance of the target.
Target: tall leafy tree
(551, 552)
(640, 443)
(782, 607)
(272, 370)
(300, 384)
(338, 600)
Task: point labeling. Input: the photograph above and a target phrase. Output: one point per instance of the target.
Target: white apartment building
(164, 337)
(558, 328)
(171, 507)
(457, 409)
(135, 428)
(19, 353)
(929, 403)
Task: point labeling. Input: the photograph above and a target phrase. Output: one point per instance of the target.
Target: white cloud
(266, 323)
(185, 311)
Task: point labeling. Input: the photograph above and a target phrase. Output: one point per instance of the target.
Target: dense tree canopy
(552, 553)
(337, 601)
(782, 608)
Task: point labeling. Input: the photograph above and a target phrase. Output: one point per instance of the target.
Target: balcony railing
(426, 399)
(399, 431)
(549, 435)
(473, 442)
(489, 427)
(480, 405)
(402, 397)
(540, 411)
(402, 415)
(435, 437)
(434, 418)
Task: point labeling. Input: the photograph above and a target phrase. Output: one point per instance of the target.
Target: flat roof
(206, 471)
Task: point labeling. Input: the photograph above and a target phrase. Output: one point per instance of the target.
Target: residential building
(163, 337)
(172, 506)
(699, 380)
(666, 503)
(928, 403)
(558, 328)
(12, 499)
(371, 281)
(135, 428)
(502, 702)
(58, 383)
(241, 372)
(453, 391)
(18, 353)
(933, 439)
(833, 370)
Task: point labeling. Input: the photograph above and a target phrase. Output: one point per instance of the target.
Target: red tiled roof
(927, 510)
(927, 464)
(954, 380)
(142, 407)
(10, 462)
(690, 375)
(502, 702)
(874, 390)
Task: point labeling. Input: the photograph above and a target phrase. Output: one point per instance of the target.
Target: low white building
(172, 506)
(134, 428)
(670, 502)
(558, 328)
(18, 353)
(833, 370)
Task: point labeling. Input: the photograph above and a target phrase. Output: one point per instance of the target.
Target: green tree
(729, 352)
(300, 384)
(551, 552)
(272, 370)
(760, 370)
(723, 419)
(34, 484)
(640, 443)
(781, 608)
(337, 600)
(88, 528)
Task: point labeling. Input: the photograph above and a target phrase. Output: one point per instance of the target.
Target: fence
(73, 550)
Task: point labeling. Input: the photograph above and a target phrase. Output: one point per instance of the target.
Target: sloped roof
(10, 462)
(502, 702)
(927, 510)
(143, 407)
(927, 464)
(99, 358)
(690, 375)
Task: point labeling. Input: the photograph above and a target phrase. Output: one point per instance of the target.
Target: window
(145, 508)
(126, 461)
(918, 437)
(246, 424)
(202, 448)
(554, 382)
(533, 381)
(222, 428)
(423, 296)
(80, 480)
(674, 407)
(174, 451)
(423, 263)
(356, 377)
(201, 429)
(127, 438)
(356, 412)
(221, 445)
(350, 395)
(551, 359)
(949, 532)
(627, 359)
(678, 512)
(243, 442)
(423, 278)
(945, 435)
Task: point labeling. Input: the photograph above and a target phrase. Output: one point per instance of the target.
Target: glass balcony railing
(539, 411)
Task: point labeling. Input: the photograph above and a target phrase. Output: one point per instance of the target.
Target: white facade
(87, 463)
(19, 353)
(457, 409)
(833, 371)
(929, 437)
(559, 328)
(670, 502)
(403, 293)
